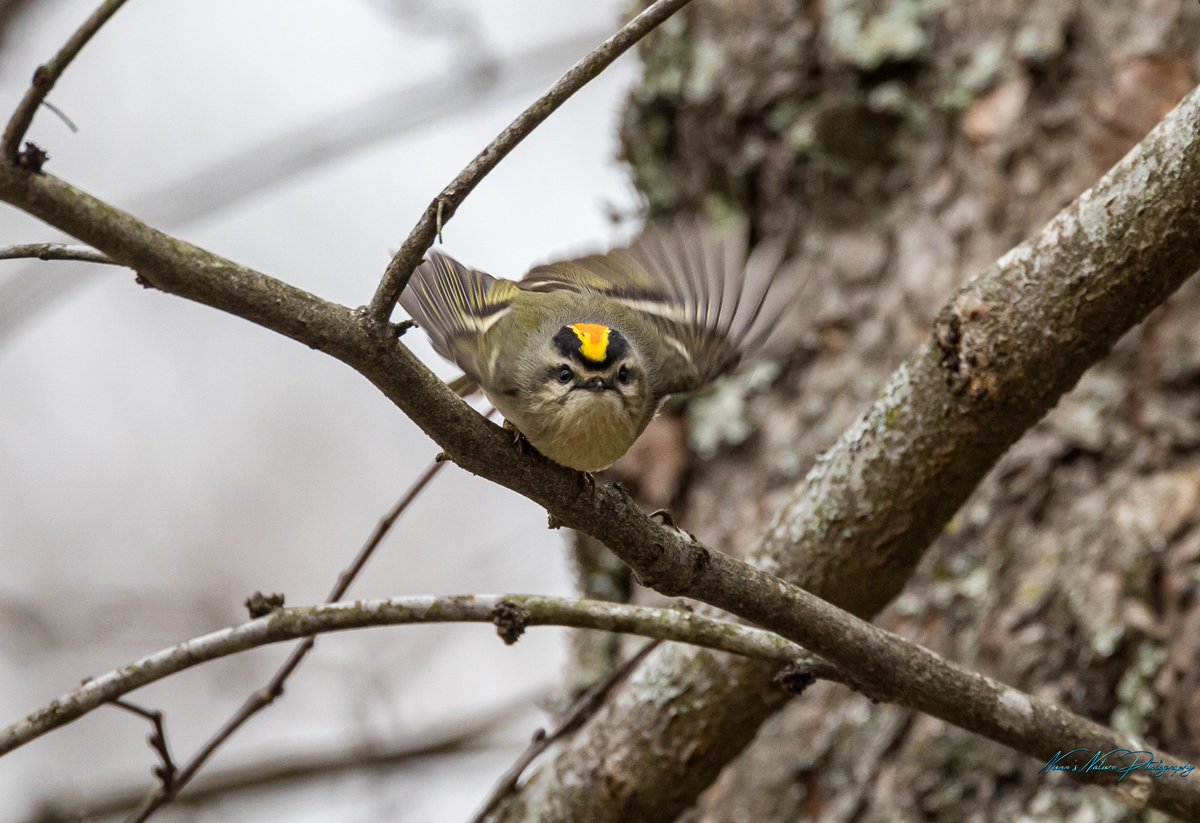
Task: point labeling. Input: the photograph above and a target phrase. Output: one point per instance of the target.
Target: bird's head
(584, 383)
(588, 364)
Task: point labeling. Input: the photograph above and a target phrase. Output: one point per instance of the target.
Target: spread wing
(695, 285)
(456, 306)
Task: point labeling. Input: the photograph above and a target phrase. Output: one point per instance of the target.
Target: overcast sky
(159, 461)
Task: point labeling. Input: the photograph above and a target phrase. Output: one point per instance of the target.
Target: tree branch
(465, 735)
(514, 612)
(304, 147)
(1005, 349)
(166, 770)
(268, 694)
(443, 207)
(584, 707)
(47, 75)
(54, 251)
(883, 666)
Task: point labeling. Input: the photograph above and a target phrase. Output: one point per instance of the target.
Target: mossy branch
(1005, 348)
(511, 614)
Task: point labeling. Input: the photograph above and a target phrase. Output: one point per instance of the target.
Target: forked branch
(1153, 193)
(1048, 309)
(261, 698)
(47, 75)
(511, 613)
(443, 207)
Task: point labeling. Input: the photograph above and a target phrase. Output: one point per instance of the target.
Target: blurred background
(160, 461)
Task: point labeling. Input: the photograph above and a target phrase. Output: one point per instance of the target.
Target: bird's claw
(520, 442)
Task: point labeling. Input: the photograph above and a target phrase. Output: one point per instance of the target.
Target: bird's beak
(597, 384)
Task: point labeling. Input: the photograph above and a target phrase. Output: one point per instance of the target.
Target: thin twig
(601, 575)
(47, 75)
(466, 734)
(1052, 306)
(443, 207)
(61, 115)
(165, 771)
(587, 705)
(55, 251)
(267, 695)
(510, 613)
(304, 147)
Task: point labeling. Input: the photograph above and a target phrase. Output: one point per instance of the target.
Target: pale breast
(589, 437)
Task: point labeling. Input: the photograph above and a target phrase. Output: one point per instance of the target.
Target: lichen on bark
(1070, 572)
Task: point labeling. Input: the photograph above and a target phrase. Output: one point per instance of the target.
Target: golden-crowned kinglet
(579, 354)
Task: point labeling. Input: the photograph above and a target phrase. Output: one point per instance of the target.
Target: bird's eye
(565, 374)
(623, 374)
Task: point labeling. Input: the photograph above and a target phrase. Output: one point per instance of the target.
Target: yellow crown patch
(593, 341)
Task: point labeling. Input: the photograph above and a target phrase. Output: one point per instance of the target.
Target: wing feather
(694, 284)
(456, 305)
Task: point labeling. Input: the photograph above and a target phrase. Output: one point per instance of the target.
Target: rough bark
(511, 615)
(1067, 275)
(913, 143)
(1149, 201)
(960, 371)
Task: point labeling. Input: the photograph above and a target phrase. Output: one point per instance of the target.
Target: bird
(579, 355)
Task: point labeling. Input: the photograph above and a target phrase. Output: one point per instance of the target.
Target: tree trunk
(906, 145)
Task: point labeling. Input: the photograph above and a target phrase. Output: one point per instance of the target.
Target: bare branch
(443, 207)
(1050, 308)
(305, 146)
(583, 708)
(261, 698)
(54, 251)
(165, 771)
(61, 115)
(47, 75)
(881, 665)
(347, 575)
(307, 621)
(464, 735)
(1005, 348)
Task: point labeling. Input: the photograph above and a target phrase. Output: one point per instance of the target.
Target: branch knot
(511, 621)
(794, 678)
(32, 158)
(260, 605)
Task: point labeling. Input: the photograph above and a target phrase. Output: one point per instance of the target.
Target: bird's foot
(520, 442)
